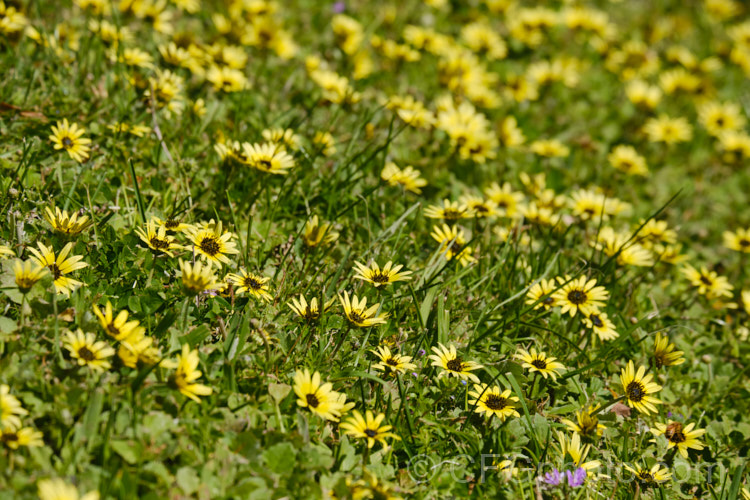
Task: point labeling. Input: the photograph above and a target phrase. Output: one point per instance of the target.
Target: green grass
(128, 433)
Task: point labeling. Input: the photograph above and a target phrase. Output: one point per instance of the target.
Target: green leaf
(128, 450)
(7, 325)
(278, 391)
(280, 458)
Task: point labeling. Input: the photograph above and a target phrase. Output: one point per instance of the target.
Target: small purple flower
(414, 374)
(338, 7)
(576, 478)
(422, 352)
(463, 382)
(553, 478)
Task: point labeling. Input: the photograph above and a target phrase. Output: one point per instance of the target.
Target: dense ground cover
(429, 249)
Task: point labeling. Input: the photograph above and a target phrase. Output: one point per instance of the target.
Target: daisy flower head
(626, 159)
(539, 362)
(157, 239)
(10, 409)
(198, 277)
(369, 428)
(479, 207)
(118, 327)
(172, 225)
(87, 351)
(586, 423)
(318, 233)
(738, 241)
(253, 284)
(268, 157)
(391, 362)
(27, 274)
(572, 447)
(24, 436)
(602, 325)
(380, 277)
(540, 295)
(319, 398)
(492, 402)
(507, 201)
(213, 244)
(649, 477)
(359, 314)
(408, 177)
(284, 137)
(665, 353)
(6, 253)
(638, 388)
(679, 436)
(308, 311)
(59, 266)
(718, 118)
(668, 130)
(450, 211)
(708, 283)
(185, 376)
(580, 295)
(452, 364)
(325, 142)
(453, 243)
(65, 224)
(70, 138)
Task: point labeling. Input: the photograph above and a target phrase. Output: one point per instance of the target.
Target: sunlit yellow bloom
(507, 200)
(551, 148)
(253, 284)
(453, 243)
(539, 362)
(665, 353)
(541, 295)
(10, 409)
(27, 274)
(368, 428)
(359, 314)
(682, 437)
(638, 386)
(650, 477)
(118, 327)
(319, 398)
(141, 348)
(86, 350)
(325, 142)
(70, 138)
(226, 79)
(198, 277)
(668, 130)
(6, 252)
(576, 451)
(308, 311)
(24, 436)
(735, 146)
(641, 93)
(708, 283)
(317, 233)
(379, 277)
(491, 401)
(602, 325)
(581, 295)
(408, 177)
(284, 137)
(391, 362)
(59, 266)
(626, 159)
(623, 248)
(268, 157)
(155, 236)
(183, 379)
(718, 118)
(478, 207)
(62, 223)
(450, 211)
(738, 240)
(452, 364)
(586, 423)
(211, 242)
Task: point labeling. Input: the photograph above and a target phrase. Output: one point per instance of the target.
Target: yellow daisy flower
(358, 314)
(638, 386)
(319, 398)
(650, 477)
(380, 277)
(586, 423)
(602, 325)
(118, 327)
(10, 409)
(85, 349)
(738, 240)
(253, 284)
(368, 428)
(59, 266)
(490, 401)
(25, 436)
(452, 243)
(539, 362)
(391, 362)
(213, 244)
(198, 277)
(268, 158)
(317, 233)
(65, 224)
(408, 177)
(452, 364)
(69, 137)
(664, 352)
(187, 373)
(581, 295)
(157, 239)
(27, 274)
(682, 437)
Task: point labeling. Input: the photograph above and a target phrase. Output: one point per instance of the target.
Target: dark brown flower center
(113, 330)
(539, 363)
(210, 245)
(371, 433)
(312, 400)
(391, 362)
(455, 365)
(577, 297)
(56, 273)
(495, 402)
(85, 354)
(744, 243)
(252, 283)
(451, 214)
(9, 437)
(67, 142)
(380, 277)
(596, 320)
(645, 476)
(355, 317)
(706, 280)
(675, 433)
(158, 243)
(635, 391)
(171, 224)
(265, 164)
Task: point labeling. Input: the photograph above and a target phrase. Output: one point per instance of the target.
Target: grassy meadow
(258, 249)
